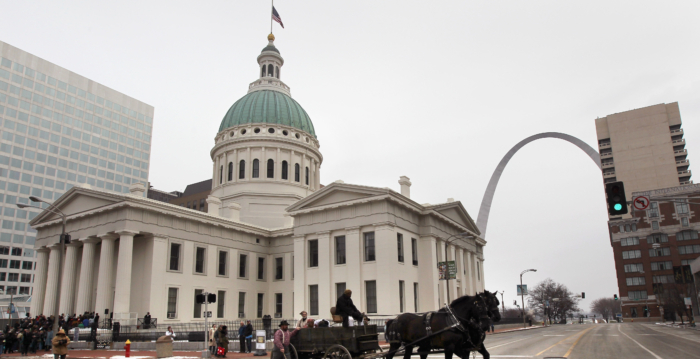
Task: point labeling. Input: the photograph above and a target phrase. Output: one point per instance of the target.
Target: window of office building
(414, 251)
(279, 268)
(172, 303)
(692, 249)
(175, 256)
(313, 300)
(369, 246)
(223, 263)
(313, 253)
(241, 304)
(659, 252)
(415, 297)
(657, 238)
(197, 306)
(653, 210)
(401, 297)
(399, 246)
(631, 241)
(632, 254)
(340, 250)
(242, 266)
(371, 291)
(633, 268)
(656, 266)
(637, 294)
(686, 235)
(200, 258)
(278, 305)
(339, 289)
(261, 268)
(261, 297)
(636, 281)
(682, 207)
(220, 304)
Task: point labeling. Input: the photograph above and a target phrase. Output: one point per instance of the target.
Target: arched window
(296, 172)
(285, 170)
(307, 176)
(262, 71)
(230, 171)
(270, 70)
(270, 168)
(256, 168)
(221, 175)
(241, 169)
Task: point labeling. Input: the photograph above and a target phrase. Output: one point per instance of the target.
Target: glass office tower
(58, 130)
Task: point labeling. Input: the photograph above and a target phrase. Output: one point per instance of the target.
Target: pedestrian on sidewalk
(223, 340)
(241, 338)
(212, 342)
(60, 345)
(249, 336)
(26, 342)
(49, 338)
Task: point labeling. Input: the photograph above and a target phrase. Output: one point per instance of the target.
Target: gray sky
(437, 91)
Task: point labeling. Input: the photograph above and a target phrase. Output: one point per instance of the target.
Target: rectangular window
(657, 238)
(340, 250)
(339, 289)
(653, 210)
(241, 304)
(278, 305)
(660, 252)
(682, 207)
(686, 235)
(371, 290)
(220, 304)
(684, 221)
(631, 241)
(655, 225)
(200, 257)
(242, 265)
(637, 294)
(279, 268)
(399, 247)
(414, 251)
(223, 263)
(663, 279)
(16, 252)
(313, 253)
(27, 265)
(632, 254)
(688, 249)
(15, 264)
(261, 268)
(197, 306)
(369, 246)
(636, 281)
(172, 303)
(13, 277)
(633, 268)
(401, 297)
(25, 278)
(656, 266)
(261, 297)
(313, 300)
(415, 297)
(175, 256)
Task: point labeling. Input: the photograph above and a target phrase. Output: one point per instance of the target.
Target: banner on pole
(446, 268)
(522, 289)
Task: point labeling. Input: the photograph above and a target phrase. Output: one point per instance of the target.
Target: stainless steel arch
(485, 208)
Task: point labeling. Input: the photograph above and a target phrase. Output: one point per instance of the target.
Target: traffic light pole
(206, 323)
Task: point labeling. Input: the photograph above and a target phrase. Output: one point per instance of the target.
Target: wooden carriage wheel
(337, 352)
(293, 352)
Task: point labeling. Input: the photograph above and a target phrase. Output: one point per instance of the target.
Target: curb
(519, 330)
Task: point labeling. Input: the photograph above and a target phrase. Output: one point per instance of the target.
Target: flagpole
(273, 6)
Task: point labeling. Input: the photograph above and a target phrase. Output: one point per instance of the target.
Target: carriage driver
(345, 308)
(281, 348)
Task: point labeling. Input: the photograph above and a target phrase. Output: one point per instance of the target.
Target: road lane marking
(576, 342)
(500, 345)
(554, 335)
(619, 327)
(669, 333)
(561, 341)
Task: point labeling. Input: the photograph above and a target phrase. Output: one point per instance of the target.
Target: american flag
(276, 17)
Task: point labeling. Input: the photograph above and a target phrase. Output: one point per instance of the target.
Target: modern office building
(59, 130)
(645, 149)
(268, 239)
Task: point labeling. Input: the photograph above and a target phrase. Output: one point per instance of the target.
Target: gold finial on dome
(271, 37)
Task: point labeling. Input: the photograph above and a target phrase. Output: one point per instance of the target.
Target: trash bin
(164, 347)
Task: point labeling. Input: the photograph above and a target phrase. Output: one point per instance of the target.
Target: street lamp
(522, 292)
(447, 267)
(503, 304)
(62, 242)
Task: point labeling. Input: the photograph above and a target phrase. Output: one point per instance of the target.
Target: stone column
(453, 282)
(300, 261)
(428, 274)
(104, 276)
(122, 297)
(157, 301)
(386, 256)
(290, 171)
(42, 266)
(249, 165)
(87, 275)
(353, 259)
(460, 272)
(226, 168)
(235, 166)
(52, 281)
(318, 175)
(263, 170)
(325, 290)
(470, 272)
(278, 164)
(68, 284)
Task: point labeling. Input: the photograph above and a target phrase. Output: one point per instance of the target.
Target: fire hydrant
(127, 346)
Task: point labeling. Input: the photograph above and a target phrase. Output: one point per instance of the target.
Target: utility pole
(522, 293)
(447, 266)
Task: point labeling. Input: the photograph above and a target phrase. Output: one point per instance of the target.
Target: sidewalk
(119, 354)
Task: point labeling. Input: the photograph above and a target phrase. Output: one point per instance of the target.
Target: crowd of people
(33, 334)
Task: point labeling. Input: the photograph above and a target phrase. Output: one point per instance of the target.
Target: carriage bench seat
(336, 318)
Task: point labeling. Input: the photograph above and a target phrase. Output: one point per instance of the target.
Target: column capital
(352, 230)
(384, 226)
(127, 232)
(108, 236)
(160, 237)
(324, 234)
(90, 239)
(298, 238)
(43, 249)
(74, 244)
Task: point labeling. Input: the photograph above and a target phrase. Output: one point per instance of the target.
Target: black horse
(476, 334)
(469, 312)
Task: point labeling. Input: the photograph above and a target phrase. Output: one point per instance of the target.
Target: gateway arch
(483, 219)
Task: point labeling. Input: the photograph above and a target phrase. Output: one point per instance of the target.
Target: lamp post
(447, 267)
(53, 209)
(522, 292)
(503, 304)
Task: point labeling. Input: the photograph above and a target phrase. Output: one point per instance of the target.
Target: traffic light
(200, 298)
(65, 238)
(615, 296)
(211, 298)
(646, 311)
(583, 295)
(617, 202)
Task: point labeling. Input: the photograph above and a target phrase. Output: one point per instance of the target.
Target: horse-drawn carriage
(458, 328)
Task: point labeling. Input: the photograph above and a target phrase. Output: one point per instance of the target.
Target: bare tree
(672, 299)
(549, 290)
(512, 312)
(606, 307)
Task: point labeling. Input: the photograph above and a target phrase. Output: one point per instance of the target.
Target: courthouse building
(272, 240)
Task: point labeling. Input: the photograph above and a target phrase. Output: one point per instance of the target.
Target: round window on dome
(256, 130)
(307, 139)
(271, 130)
(297, 136)
(243, 131)
(285, 132)
(231, 134)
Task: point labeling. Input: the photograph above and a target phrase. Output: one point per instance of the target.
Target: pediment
(77, 201)
(336, 194)
(456, 212)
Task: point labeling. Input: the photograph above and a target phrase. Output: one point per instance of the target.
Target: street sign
(447, 267)
(208, 314)
(640, 203)
(687, 301)
(619, 315)
(523, 291)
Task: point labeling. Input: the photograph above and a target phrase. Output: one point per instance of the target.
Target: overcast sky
(438, 91)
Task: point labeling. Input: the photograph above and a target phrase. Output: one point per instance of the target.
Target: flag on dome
(276, 17)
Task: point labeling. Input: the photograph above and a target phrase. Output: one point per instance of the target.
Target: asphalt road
(596, 341)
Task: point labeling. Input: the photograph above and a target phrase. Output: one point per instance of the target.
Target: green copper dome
(266, 106)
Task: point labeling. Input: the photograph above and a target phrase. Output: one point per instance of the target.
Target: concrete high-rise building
(59, 130)
(645, 149)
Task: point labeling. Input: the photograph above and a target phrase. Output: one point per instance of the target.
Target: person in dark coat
(249, 336)
(241, 338)
(147, 321)
(26, 341)
(345, 308)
